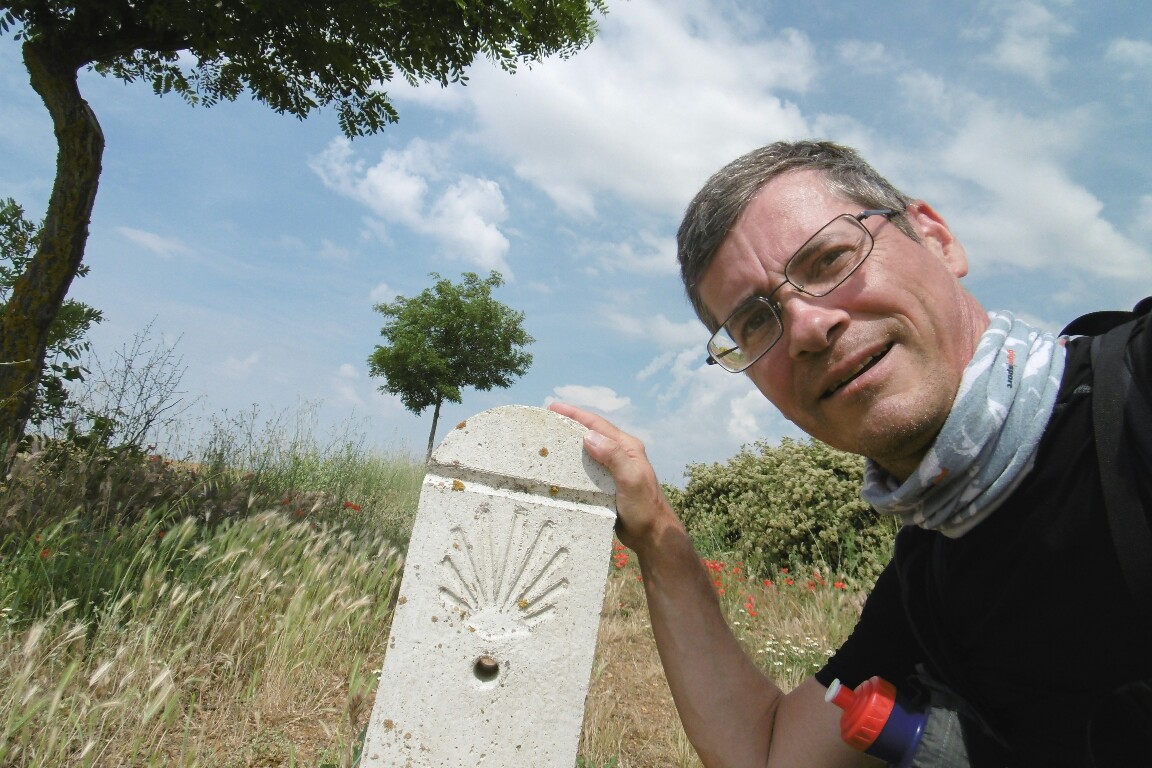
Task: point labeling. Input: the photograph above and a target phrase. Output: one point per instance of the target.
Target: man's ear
(937, 237)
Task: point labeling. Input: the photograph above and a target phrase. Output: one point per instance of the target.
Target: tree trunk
(38, 293)
(432, 434)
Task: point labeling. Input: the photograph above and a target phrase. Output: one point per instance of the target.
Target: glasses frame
(715, 351)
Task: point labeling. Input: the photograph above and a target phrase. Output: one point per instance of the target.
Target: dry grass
(261, 649)
(629, 715)
(258, 643)
(252, 649)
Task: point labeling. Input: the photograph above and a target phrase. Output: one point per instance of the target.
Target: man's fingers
(589, 420)
(620, 453)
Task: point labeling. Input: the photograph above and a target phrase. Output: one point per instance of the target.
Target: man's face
(873, 367)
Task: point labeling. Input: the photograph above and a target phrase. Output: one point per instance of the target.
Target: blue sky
(258, 244)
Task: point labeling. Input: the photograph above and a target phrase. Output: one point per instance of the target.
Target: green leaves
(298, 56)
(793, 504)
(451, 336)
(66, 336)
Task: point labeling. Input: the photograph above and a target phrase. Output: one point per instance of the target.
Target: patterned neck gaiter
(989, 439)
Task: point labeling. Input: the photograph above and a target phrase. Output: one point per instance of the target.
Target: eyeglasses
(819, 267)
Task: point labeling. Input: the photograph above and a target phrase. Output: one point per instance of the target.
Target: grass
(225, 644)
(233, 611)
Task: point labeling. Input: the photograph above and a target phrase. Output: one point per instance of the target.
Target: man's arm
(733, 713)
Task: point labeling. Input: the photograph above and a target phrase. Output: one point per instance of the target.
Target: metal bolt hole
(486, 669)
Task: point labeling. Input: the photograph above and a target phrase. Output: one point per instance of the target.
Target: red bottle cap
(866, 709)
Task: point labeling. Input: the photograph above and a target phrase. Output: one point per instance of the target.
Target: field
(135, 632)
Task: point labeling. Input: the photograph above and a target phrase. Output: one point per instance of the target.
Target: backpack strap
(1127, 521)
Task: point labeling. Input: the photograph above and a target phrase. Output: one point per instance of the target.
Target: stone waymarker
(492, 642)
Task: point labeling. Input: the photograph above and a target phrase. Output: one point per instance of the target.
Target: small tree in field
(449, 337)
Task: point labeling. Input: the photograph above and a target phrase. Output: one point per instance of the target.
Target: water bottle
(877, 721)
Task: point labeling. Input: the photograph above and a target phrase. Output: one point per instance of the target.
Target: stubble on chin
(900, 444)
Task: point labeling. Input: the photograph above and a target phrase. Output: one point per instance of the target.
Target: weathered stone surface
(492, 643)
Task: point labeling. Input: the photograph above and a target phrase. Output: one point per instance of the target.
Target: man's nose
(810, 322)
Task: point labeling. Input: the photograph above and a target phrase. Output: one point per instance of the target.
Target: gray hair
(719, 205)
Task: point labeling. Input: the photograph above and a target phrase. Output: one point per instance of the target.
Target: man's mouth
(865, 364)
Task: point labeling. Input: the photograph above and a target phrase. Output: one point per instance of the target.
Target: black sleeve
(882, 642)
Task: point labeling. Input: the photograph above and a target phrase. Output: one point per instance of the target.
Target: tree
(66, 335)
(450, 336)
(293, 55)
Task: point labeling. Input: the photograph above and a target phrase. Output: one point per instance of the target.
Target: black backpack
(1111, 409)
(1121, 726)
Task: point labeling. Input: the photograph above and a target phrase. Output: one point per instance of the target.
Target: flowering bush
(793, 504)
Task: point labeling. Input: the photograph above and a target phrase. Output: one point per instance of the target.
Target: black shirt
(1027, 616)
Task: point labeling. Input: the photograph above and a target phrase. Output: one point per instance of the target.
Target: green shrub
(796, 504)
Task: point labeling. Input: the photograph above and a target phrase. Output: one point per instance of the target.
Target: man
(840, 297)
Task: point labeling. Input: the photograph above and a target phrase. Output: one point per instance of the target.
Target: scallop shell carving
(503, 575)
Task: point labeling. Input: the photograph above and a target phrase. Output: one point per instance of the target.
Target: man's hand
(643, 510)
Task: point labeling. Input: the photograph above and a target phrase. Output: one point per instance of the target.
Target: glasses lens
(751, 330)
(829, 256)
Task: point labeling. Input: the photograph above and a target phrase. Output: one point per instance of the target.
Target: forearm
(725, 702)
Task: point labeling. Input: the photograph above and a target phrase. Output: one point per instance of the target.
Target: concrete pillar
(491, 647)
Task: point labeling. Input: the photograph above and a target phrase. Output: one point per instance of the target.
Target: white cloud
(1029, 34)
(382, 294)
(1142, 222)
(1030, 213)
(649, 254)
(667, 93)
(344, 385)
(404, 188)
(1134, 55)
(704, 413)
(235, 368)
(329, 251)
(657, 330)
(864, 54)
(165, 248)
(601, 398)
(1000, 177)
(746, 415)
(466, 219)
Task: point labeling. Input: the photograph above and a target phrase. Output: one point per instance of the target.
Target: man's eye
(753, 325)
(825, 265)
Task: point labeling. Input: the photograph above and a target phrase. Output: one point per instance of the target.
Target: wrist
(664, 537)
